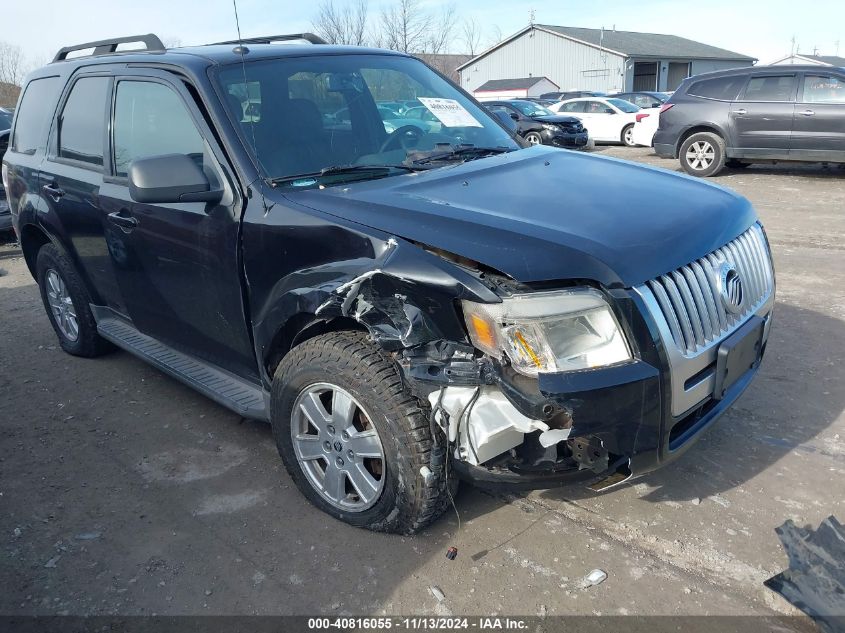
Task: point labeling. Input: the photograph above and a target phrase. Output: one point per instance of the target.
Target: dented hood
(543, 214)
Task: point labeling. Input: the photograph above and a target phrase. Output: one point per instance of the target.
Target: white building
(514, 88)
(597, 59)
(818, 60)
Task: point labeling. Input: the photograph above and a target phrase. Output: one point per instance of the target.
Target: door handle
(741, 111)
(54, 191)
(123, 220)
(808, 113)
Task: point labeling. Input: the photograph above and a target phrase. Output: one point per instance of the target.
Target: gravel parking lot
(123, 492)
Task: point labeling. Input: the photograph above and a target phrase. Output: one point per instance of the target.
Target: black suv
(404, 308)
(749, 115)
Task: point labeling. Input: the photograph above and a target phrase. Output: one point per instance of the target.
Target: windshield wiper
(464, 152)
(376, 171)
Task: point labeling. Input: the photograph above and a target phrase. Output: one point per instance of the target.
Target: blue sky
(759, 28)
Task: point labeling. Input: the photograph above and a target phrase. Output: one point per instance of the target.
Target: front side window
(320, 112)
(82, 124)
(770, 88)
(823, 89)
(150, 119)
(34, 114)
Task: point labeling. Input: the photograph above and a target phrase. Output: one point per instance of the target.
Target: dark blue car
(405, 307)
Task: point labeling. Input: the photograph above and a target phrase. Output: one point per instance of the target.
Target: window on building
(82, 124)
(823, 89)
(770, 88)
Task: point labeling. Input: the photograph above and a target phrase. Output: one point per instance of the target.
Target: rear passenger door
(71, 178)
(762, 115)
(177, 263)
(819, 128)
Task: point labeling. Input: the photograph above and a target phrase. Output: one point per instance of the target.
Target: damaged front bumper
(607, 424)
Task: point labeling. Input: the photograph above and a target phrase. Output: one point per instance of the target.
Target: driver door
(176, 264)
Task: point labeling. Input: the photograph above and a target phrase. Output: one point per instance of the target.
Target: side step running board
(242, 397)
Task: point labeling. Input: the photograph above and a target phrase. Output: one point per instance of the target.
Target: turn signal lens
(482, 333)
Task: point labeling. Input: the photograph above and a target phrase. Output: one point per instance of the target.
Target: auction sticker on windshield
(449, 112)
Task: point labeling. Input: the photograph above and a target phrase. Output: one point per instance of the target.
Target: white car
(646, 125)
(608, 120)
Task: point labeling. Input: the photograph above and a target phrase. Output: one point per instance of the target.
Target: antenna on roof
(531, 14)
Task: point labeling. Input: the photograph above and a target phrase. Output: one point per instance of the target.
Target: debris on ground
(52, 562)
(437, 593)
(595, 577)
(88, 536)
(815, 580)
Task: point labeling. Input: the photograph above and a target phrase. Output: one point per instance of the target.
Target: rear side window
(150, 119)
(82, 124)
(823, 89)
(35, 113)
(770, 88)
(720, 88)
(575, 106)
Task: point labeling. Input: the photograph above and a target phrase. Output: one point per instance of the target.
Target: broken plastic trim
(482, 423)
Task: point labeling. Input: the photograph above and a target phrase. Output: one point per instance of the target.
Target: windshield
(321, 112)
(625, 106)
(531, 109)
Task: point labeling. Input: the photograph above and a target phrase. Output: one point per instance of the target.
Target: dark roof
(646, 44)
(833, 60)
(512, 84)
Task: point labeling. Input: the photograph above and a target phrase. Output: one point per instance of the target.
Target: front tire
(703, 154)
(533, 138)
(628, 135)
(67, 304)
(353, 438)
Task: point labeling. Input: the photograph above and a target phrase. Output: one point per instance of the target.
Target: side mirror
(169, 178)
(514, 116)
(505, 119)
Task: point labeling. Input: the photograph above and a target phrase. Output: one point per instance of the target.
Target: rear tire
(702, 154)
(348, 366)
(627, 137)
(67, 304)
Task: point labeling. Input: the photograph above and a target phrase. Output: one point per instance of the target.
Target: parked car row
(5, 129)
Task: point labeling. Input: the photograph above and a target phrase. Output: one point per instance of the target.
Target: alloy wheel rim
(62, 306)
(337, 447)
(629, 136)
(533, 139)
(700, 155)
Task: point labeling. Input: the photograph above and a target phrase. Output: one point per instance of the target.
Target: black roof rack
(107, 47)
(269, 39)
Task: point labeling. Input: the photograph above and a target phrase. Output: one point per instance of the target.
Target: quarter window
(770, 88)
(575, 106)
(82, 124)
(823, 89)
(721, 88)
(150, 119)
(34, 114)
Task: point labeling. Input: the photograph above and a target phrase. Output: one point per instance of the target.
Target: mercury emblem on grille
(730, 287)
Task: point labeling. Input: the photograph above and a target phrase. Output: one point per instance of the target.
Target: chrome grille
(690, 297)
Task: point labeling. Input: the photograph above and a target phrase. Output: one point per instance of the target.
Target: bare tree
(440, 34)
(495, 35)
(342, 25)
(406, 26)
(471, 36)
(12, 71)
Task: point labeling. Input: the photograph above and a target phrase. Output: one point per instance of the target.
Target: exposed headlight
(548, 331)
(550, 127)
